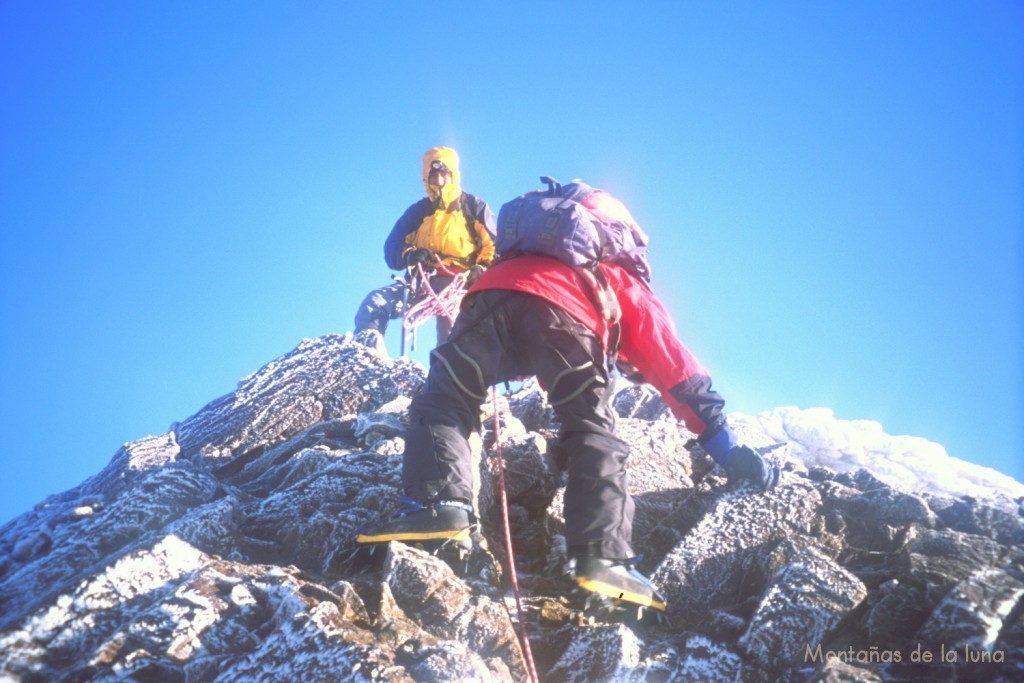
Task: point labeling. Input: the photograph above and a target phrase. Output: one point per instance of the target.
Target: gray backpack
(574, 223)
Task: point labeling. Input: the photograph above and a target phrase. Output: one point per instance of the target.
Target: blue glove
(742, 464)
(745, 465)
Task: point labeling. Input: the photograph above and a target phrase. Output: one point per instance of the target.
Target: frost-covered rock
(428, 592)
(974, 613)
(224, 550)
(717, 564)
(641, 402)
(598, 653)
(805, 601)
(323, 378)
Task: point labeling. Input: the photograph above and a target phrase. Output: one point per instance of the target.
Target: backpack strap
(603, 297)
(554, 187)
(478, 242)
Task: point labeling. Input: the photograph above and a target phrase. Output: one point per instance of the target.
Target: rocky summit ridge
(223, 551)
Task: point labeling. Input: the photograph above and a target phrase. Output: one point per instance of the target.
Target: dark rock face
(223, 551)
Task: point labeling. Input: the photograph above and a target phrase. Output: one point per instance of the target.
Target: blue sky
(833, 193)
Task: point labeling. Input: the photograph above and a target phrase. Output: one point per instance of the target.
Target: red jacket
(647, 339)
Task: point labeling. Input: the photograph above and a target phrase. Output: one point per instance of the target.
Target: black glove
(420, 255)
(629, 372)
(745, 465)
(473, 274)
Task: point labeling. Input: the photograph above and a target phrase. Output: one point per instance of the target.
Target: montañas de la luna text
(963, 654)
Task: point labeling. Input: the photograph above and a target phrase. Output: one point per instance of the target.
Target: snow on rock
(706, 660)
(599, 653)
(69, 625)
(975, 611)
(710, 568)
(224, 550)
(132, 460)
(428, 591)
(805, 601)
(912, 463)
(314, 504)
(322, 378)
(50, 558)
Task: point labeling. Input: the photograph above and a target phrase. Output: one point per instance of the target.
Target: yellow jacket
(456, 225)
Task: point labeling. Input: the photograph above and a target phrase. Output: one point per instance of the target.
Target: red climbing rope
(508, 542)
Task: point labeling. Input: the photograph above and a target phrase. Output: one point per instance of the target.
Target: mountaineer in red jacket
(533, 315)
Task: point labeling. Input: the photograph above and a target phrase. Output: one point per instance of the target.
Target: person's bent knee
(462, 369)
(570, 383)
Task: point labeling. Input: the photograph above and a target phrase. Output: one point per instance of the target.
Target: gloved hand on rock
(742, 464)
(745, 465)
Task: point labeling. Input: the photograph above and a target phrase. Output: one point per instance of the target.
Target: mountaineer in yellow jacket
(448, 230)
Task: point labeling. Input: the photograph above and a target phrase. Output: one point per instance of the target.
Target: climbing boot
(427, 526)
(612, 590)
